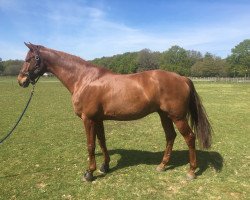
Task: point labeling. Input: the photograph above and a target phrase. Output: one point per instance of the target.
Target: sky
(96, 28)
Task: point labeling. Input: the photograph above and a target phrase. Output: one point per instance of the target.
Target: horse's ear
(31, 46)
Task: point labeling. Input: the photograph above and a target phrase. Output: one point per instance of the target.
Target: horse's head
(33, 66)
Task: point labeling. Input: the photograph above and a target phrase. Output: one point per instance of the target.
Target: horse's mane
(72, 60)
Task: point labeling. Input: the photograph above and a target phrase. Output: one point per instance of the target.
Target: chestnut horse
(99, 94)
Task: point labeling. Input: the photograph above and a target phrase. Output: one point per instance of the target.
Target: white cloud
(71, 13)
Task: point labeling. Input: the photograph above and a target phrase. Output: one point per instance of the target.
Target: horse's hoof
(104, 168)
(191, 176)
(160, 168)
(88, 176)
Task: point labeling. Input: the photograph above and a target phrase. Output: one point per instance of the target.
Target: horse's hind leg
(170, 137)
(189, 136)
(102, 142)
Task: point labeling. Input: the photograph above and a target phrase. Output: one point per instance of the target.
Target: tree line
(182, 61)
(10, 67)
(176, 58)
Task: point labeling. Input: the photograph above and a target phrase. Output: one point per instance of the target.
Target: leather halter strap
(36, 72)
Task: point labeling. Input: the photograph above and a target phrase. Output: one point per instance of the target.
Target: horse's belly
(128, 111)
(124, 117)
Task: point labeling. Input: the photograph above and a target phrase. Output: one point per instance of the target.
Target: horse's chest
(84, 104)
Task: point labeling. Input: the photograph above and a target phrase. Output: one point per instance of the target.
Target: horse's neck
(68, 69)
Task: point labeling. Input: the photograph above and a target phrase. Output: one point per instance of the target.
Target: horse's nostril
(26, 83)
(23, 82)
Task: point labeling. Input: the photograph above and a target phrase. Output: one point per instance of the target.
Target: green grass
(46, 155)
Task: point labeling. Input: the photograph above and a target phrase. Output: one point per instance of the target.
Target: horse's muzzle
(23, 81)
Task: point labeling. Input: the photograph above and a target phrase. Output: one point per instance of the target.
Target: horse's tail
(198, 118)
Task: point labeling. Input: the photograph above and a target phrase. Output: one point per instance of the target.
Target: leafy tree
(209, 66)
(147, 60)
(177, 59)
(123, 63)
(240, 59)
(193, 56)
(129, 63)
(1, 66)
(12, 67)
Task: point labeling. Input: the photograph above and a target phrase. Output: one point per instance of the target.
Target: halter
(35, 74)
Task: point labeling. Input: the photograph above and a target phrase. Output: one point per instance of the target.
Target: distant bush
(10, 67)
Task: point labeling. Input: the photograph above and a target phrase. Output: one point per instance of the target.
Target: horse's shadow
(205, 159)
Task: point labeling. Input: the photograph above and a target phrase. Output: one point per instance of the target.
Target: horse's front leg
(102, 142)
(91, 139)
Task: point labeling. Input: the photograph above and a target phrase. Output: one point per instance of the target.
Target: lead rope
(21, 116)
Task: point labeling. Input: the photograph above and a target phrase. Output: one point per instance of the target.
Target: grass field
(46, 156)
